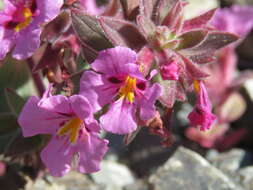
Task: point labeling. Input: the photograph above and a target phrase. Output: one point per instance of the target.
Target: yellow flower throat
(127, 91)
(71, 128)
(196, 86)
(28, 18)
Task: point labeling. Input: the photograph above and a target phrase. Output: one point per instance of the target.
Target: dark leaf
(56, 27)
(193, 70)
(21, 146)
(206, 57)
(200, 21)
(75, 78)
(5, 139)
(174, 19)
(163, 8)
(146, 27)
(213, 41)
(130, 8)
(88, 53)
(122, 33)
(89, 31)
(50, 58)
(191, 38)
(8, 123)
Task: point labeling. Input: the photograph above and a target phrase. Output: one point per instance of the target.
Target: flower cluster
(137, 65)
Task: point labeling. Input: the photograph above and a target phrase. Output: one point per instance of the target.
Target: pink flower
(170, 71)
(119, 82)
(208, 138)
(201, 116)
(236, 19)
(74, 132)
(20, 25)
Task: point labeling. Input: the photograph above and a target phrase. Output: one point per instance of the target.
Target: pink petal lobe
(109, 61)
(80, 106)
(35, 120)
(91, 152)
(91, 84)
(57, 156)
(202, 115)
(27, 42)
(57, 104)
(147, 109)
(120, 118)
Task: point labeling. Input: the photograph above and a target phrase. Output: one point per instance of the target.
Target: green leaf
(8, 123)
(14, 101)
(19, 145)
(13, 74)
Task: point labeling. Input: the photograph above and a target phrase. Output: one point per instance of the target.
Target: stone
(246, 177)
(188, 170)
(113, 175)
(231, 161)
(138, 185)
(71, 181)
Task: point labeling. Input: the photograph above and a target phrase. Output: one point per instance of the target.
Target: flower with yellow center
(196, 86)
(27, 13)
(127, 91)
(71, 128)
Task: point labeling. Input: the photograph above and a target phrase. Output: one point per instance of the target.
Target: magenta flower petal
(202, 116)
(74, 130)
(121, 84)
(80, 106)
(30, 36)
(6, 43)
(120, 118)
(48, 9)
(92, 125)
(170, 71)
(57, 104)
(34, 120)
(108, 60)
(57, 156)
(236, 19)
(91, 153)
(148, 110)
(90, 85)
(26, 30)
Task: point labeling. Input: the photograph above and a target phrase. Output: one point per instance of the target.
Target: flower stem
(36, 77)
